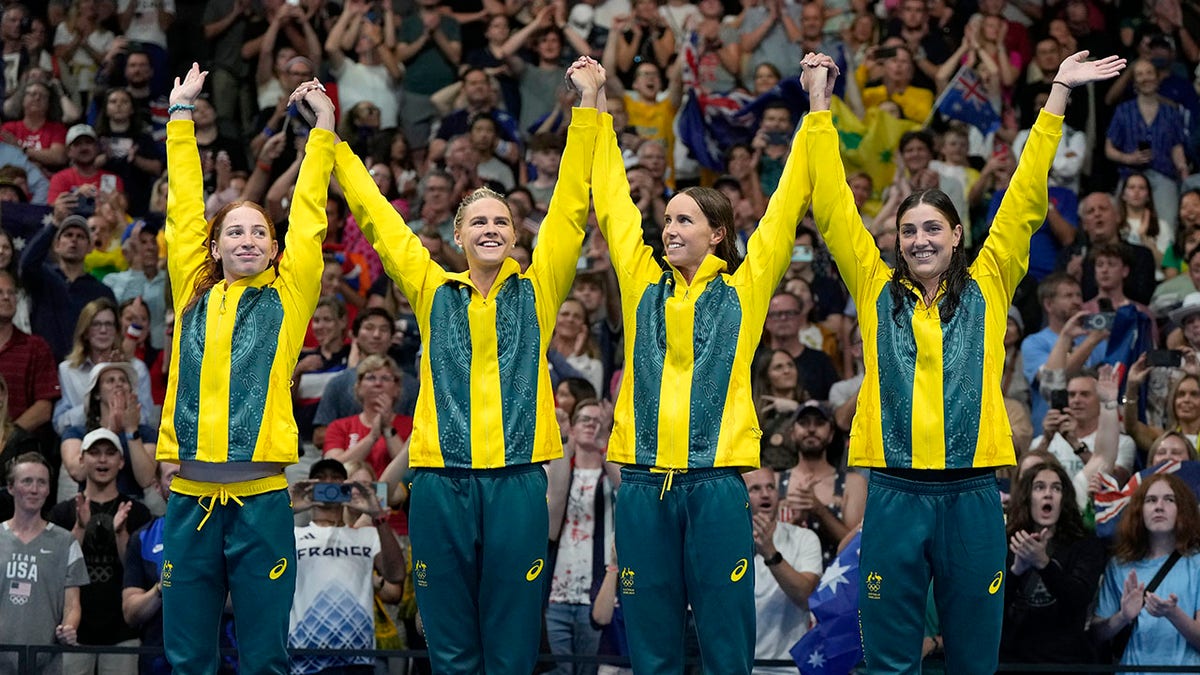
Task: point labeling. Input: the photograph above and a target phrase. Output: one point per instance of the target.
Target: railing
(28, 657)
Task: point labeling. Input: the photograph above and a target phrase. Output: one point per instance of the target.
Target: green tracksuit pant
(686, 538)
(952, 532)
(479, 566)
(247, 550)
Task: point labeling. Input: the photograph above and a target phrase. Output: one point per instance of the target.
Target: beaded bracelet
(176, 107)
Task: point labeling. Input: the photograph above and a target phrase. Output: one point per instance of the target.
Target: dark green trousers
(247, 551)
(479, 566)
(685, 542)
(952, 532)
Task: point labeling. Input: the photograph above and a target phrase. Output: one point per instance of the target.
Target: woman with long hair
(1054, 566)
(9, 260)
(685, 422)
(1160, 527)
(572, 339)
(1182, 406)
(227, 420)
(777, 396)
(1139, 220)
(485, 414)
(127, 149)
(931, 420)
(97, 340)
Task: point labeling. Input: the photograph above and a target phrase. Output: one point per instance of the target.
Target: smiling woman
(931, 420)
(485, 417)
(227, 417)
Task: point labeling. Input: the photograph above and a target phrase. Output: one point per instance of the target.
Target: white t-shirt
(82, 66)
(1126, 454)
(144, 26)
(780, 621)
(358, 83)
(334, 605)
(572, 580)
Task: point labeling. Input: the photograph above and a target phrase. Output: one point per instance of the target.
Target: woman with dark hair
(570, 391)
(485, 416)
(127, 149)
(1139, 219)
(685, 422)
(1054, 566)
(777, 396)
(227, 419)
(39, 133)
(1158, 533)
(9, 256)
(931, 420)
(1187, 233)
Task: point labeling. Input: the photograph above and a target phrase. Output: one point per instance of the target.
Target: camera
(1058, 399)
(1164, 358)
(332, 493)
(1099, 321)
(778, 137)
(885, 53)
(85, 205)
(802, 254)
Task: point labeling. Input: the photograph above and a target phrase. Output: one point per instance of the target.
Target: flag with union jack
(1112, 499)
(710, 123)
(967, 99)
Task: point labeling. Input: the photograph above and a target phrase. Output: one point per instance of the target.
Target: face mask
(802, 254)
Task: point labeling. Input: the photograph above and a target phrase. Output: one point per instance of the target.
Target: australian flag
(1112, 498)
(710, 123)
(23, 221)
(967, 99)
(834, 646)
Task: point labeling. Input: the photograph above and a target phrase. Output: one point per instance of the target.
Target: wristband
(773, 560)
(268, 132)
(176, 107)
(1069, 87)
(263, 166)
(380, 519)
(610, 568)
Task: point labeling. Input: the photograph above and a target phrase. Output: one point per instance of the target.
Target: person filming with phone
(334, 606)
(1070, 428)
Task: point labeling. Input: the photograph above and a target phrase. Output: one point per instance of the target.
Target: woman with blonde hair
(97, 340)
(1182, 409)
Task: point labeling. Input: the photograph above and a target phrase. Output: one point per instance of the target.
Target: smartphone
(1058, 399)
(381, 493)
(1143, 145)
(778, 137)
(1164, 358)
(884, 53)
(802, 254)
(1104, 304)
(332, 493)
(108, 183)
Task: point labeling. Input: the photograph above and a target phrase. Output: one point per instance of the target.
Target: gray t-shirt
(775, 46)
(35, 576)
(539, 92)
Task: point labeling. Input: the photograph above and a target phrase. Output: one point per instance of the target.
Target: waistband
(246, 488)
(939, 482)
(463, 472)
(649, 475)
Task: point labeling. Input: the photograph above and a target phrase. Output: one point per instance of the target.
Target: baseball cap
(814, 406)
(95, 436)
(79, 131)
(73, 220)
(99, 368)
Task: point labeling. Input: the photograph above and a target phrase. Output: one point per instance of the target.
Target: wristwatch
(773, 560)
(1082, 448)
(135, 436)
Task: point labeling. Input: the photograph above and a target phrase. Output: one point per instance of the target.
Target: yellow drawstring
(221, 494)
(666, 483)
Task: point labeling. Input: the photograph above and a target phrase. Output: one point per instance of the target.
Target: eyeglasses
(587, 419)
(372, 378)
(783, 314)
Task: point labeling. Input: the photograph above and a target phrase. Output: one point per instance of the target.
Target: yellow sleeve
(403, 255)
(307, 223)
(186, 227)
(769, 250)
(1005, 252)
(619, 218)
(561, 235)
(837, 218)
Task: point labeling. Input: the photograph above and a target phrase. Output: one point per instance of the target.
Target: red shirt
(70, 178)
(29, 368)
(345, 432)
(41, 139)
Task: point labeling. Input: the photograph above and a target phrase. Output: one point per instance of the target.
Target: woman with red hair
(227, 419)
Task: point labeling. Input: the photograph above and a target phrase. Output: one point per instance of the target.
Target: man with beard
(787, 568)
(818, 495)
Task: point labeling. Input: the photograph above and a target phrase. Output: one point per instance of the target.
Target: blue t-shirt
(1155, 641)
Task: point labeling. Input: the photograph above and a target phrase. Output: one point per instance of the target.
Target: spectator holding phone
(83, 179)
(1111, 263)
(1182, 404)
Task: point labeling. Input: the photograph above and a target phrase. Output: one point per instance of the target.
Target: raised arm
(619, 218)
(1023, 209)
(852, 246)
(561, 236)
(307, 220)
(186, 226)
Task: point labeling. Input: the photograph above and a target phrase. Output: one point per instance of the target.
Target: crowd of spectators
(441, 97)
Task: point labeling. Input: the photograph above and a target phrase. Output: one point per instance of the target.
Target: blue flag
(23, 221)
(967, 99)
(834, 646)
